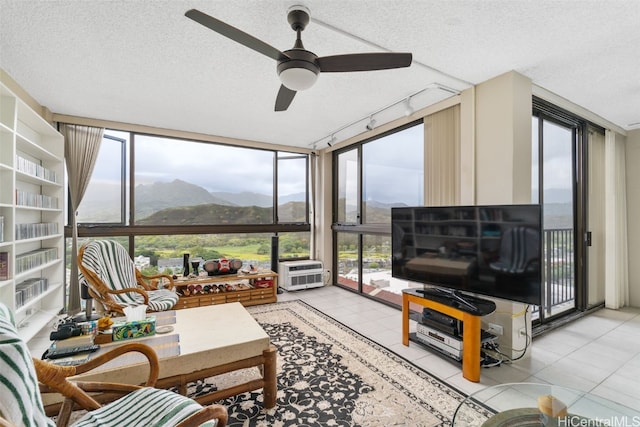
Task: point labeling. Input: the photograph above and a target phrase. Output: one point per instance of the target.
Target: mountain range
(180, 202)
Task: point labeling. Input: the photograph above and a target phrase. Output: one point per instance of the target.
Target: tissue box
(135, 329)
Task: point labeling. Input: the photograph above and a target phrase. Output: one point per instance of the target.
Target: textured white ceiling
(144, 62)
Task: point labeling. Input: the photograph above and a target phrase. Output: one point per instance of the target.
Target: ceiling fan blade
(284, 98)
(235, 34)
(363, 62)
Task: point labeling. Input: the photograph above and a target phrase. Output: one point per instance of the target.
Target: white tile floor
(599, 353)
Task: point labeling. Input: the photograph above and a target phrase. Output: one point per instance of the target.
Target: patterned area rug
(329, 375)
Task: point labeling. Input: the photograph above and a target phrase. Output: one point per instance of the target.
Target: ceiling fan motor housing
(299, 65)
(298, 17)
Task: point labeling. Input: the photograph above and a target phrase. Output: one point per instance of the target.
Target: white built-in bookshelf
(31, 215)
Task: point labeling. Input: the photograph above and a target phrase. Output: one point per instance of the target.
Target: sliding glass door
(558, 199)
(562, 180)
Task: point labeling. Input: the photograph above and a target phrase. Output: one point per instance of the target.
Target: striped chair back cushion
(20, 401)
(111, 263)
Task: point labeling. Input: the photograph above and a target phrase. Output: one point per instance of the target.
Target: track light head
(408, 109)
(372, 124)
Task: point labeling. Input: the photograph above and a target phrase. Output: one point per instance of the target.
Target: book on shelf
(1, 229)
(4, 266)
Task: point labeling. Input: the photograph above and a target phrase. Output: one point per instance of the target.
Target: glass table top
(533, 404)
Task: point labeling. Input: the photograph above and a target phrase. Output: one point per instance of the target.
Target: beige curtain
(442, 157)
(596, 215)
(81, 147)
(617, 277)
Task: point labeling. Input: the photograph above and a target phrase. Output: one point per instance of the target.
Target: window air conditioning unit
(296, 275)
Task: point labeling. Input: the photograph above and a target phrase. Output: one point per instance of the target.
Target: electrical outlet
(495, 329)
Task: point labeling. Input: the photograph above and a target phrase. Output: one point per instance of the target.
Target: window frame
(123, 190)
(130, 229)
(361, 228)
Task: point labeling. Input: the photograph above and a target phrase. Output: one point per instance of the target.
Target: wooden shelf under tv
(251, 295)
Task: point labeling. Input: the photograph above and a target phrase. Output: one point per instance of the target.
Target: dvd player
(439, 336)
(439, 346)
(449, 345)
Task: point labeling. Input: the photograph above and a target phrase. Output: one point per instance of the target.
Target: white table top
(208, 336)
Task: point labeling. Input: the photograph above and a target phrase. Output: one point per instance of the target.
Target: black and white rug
(329, 375)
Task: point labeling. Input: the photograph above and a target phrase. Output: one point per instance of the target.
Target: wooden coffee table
(206, 341)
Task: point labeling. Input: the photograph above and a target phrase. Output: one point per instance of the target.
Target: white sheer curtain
(617, 276)
(81, 148)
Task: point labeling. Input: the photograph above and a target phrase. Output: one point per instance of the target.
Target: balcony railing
(558, 269)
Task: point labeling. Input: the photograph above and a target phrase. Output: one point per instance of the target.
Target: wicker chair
(21, 400)
(115, 282)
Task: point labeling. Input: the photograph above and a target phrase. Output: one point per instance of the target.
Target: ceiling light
(297, 78)
(372, 123)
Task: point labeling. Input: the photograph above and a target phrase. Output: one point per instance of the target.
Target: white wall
(502, 146)
(503, 140)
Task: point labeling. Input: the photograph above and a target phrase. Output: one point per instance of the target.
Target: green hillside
(219, 214)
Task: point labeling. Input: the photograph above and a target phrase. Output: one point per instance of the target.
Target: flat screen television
(491, 250)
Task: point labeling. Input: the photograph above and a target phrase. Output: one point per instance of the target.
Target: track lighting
(372, 123)
(402, 106)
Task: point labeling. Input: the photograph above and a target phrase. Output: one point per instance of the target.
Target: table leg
(471, 347)
(405, 319)
(270, 390)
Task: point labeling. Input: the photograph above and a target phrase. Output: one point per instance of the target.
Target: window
(188, 182)
(104, 199)
(347, 200)
(292, 190)
(164, 254)
(293, 245)
(207, 199)
(372, 177)
(392, 174)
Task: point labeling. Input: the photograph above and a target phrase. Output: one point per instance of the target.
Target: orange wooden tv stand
(471, 334)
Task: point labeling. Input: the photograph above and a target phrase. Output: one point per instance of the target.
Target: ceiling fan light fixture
(298, 78)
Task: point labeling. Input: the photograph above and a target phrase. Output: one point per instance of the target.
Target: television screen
(491, 250)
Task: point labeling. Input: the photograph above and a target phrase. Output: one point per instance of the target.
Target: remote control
(57, 353)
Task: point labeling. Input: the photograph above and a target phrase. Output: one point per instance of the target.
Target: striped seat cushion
(112, 264)
(20, 401)
(145, 407)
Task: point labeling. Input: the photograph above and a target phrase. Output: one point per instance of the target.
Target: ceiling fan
(298, 68)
